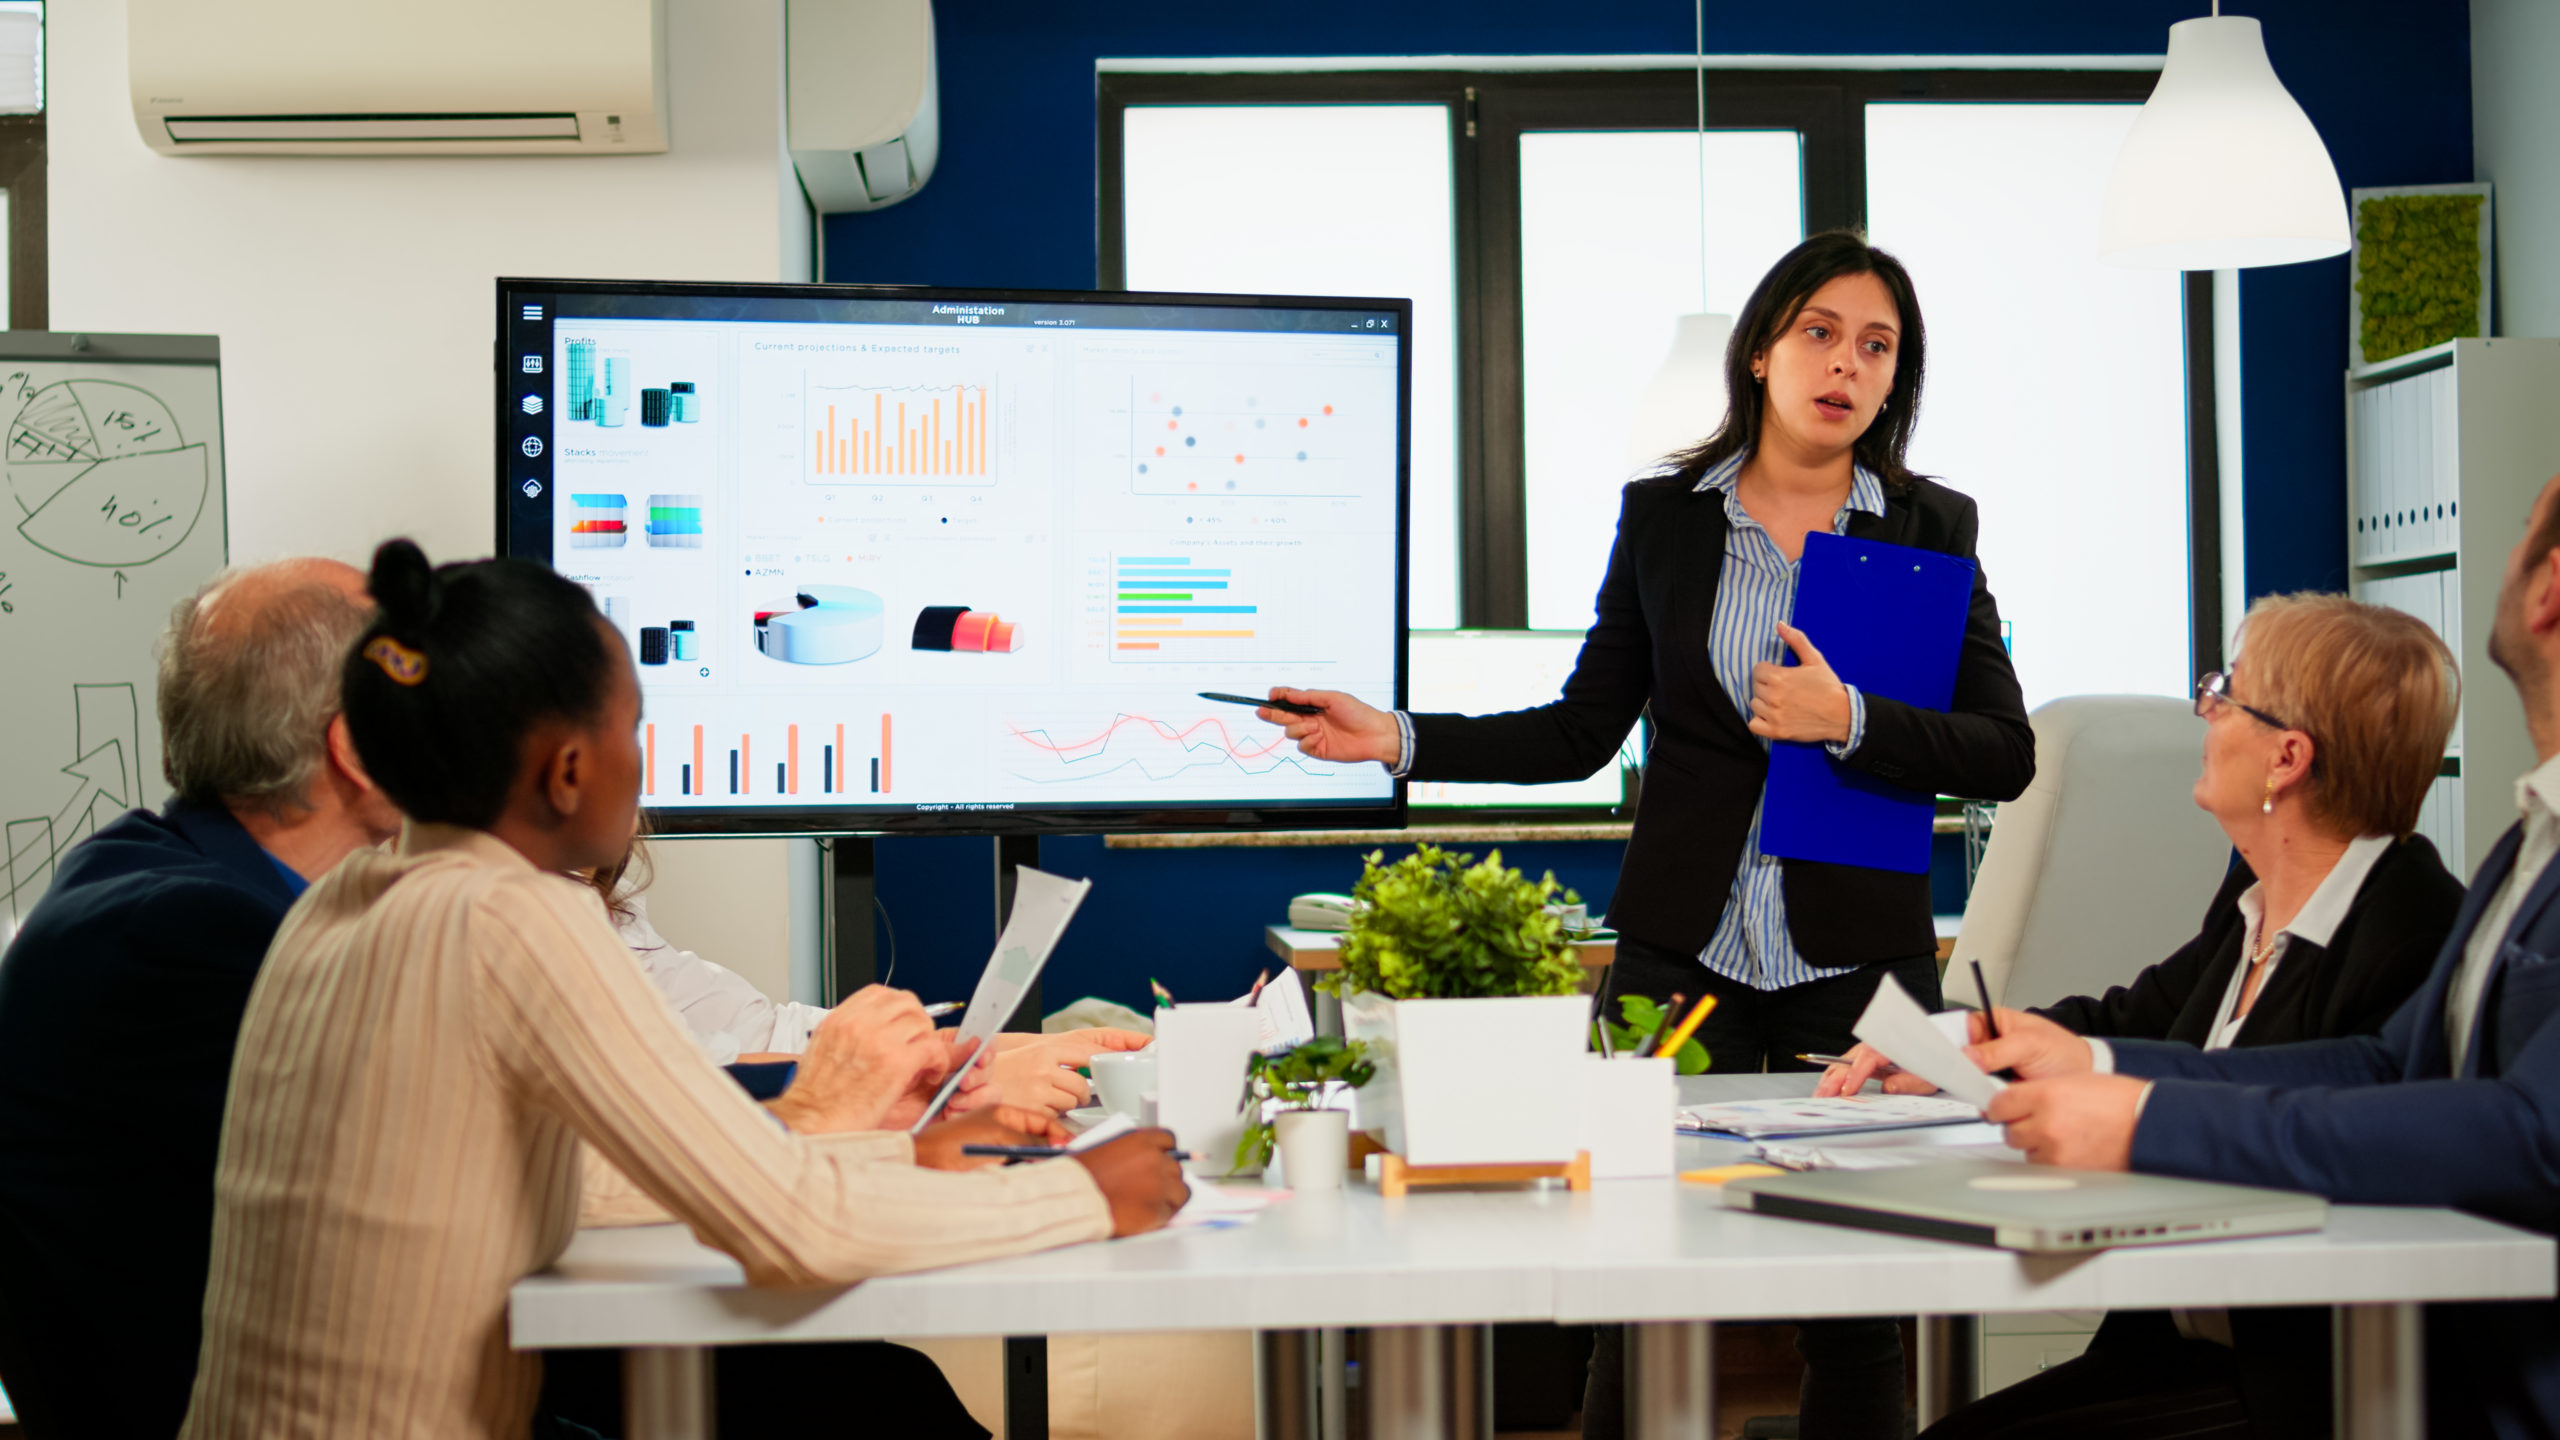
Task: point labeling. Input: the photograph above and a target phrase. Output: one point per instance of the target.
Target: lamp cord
(1702, 153)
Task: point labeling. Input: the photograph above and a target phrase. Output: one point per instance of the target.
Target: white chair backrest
(2104, 866)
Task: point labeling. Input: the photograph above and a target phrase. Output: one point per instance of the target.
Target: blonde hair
(2376, 691)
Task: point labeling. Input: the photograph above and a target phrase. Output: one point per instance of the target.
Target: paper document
(1843, 1114)
(1213, 1208)
(1042, 906)
(1881, 1150)
(1895, 1024)
(1285, 1020)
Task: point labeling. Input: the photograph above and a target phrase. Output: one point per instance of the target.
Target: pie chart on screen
(101, 475)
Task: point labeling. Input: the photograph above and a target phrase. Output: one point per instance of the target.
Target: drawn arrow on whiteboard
(100, 772)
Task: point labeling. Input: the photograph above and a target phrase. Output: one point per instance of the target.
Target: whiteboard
(114, 512)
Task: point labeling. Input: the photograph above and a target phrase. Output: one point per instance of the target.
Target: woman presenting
(1824, 371)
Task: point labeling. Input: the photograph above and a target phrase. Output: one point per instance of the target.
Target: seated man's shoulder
(145, 874)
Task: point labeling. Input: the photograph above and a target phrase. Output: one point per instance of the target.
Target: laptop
(2036, 1208)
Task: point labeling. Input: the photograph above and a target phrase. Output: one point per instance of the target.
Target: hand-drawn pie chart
(102, 474)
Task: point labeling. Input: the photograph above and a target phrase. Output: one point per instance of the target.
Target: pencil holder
(1629, 1110)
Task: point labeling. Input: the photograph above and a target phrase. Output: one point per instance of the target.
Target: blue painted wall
(1012, 203)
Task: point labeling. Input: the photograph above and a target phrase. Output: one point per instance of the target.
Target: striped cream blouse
(437, 1034)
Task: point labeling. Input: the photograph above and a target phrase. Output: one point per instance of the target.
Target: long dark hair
(460, 664)
(1772, 308)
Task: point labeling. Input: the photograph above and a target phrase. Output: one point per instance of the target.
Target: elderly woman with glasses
(2320, 745)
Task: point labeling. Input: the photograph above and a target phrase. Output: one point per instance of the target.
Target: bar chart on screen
(848, 758)
(1132, 751)
(898, 434)
(1166, 605)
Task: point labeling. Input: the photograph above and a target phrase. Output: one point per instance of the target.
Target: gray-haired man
(121, 998)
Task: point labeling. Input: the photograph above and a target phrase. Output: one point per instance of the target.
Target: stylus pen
(1039, 1152)
(941, 1008)
(1811, 1059)
(1290, 707)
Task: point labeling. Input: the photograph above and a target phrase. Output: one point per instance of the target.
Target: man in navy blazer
(2456, 1103)
(120, 1000)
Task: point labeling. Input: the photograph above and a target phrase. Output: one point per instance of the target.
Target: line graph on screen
(1132, 747)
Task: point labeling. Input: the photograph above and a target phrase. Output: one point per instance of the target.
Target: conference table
(1424, 1274)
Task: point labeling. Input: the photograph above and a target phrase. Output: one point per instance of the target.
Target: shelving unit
(2446, 449)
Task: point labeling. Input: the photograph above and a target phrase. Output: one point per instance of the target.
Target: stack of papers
(1902, 1032)
(1839, 1115)
(1884, 1150)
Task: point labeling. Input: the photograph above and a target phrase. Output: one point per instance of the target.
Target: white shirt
(2314, 924)
(2538, 796)
(727, 1014)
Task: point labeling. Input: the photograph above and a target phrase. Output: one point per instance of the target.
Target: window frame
(1488, 112)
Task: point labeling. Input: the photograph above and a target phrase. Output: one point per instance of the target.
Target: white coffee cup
(1120, 1078)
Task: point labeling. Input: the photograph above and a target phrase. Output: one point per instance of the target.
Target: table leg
(1333, 1391)
(1429, 1382)
(1950, 1365)
(2379, 1375)
(1671, 1381)
(1284, 1384)
(1026, 1387)
(666, 1393)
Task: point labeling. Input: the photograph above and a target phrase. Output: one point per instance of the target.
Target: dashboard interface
(897, 558)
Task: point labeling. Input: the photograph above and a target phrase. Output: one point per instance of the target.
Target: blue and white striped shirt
(1756, 591)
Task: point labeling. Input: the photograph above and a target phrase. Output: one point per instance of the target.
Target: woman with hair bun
(442, 1031)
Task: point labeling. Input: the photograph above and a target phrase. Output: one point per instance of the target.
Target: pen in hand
(1990, 1017)
(1038, 1152)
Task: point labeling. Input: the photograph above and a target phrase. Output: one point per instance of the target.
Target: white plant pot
(1315, 1147)
(1473, 1082)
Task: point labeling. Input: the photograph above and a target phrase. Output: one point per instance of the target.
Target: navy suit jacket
(2383, 1120)
(120, 1001)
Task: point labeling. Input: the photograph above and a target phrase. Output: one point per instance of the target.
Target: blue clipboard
(1891, 620)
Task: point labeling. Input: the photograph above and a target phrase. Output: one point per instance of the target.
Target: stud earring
(2268, 805)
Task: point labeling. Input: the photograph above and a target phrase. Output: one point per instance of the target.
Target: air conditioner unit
(863, 106)
(394, 77)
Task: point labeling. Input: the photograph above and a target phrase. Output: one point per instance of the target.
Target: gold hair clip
(404, 665)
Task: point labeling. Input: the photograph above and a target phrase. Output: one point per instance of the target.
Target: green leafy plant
(1435, 925)
(2417, 272)
(1297, 1078)
(1643, 1016)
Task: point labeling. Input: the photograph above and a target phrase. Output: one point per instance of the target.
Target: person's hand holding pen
(2031, 1045)
(872, 1060)
(1346, 731)
(945, 1146)
(1140, 1178)
(1865, 1063)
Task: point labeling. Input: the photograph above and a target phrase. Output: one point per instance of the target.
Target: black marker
(1290, 707)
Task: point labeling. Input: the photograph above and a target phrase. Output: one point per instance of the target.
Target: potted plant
(1314, 1141)
(1462, 981)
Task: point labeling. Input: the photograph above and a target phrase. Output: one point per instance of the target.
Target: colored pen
(1164, 997)
(1286, 707)
(1038, 1152)
(1646, 1049)
(1687, 1028)
(941, 1008)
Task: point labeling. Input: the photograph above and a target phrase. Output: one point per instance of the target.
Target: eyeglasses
(2215, 689)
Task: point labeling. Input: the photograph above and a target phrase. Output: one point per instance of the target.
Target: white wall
(354, 301)
(2515, 116)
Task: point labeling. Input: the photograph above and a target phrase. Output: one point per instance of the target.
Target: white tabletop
(1626, 1250)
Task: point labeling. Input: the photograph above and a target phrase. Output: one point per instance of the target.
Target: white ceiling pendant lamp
(1685, 399)
(2222, 170)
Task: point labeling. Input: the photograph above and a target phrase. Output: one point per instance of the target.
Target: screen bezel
(514, 427)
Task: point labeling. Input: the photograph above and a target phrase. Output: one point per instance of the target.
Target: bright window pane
(2056, 387)
(1318, 200)
(1609, 261)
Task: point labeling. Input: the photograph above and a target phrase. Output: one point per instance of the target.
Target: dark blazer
(2338, 1118)
(2379, 954)
(1648, 646)
(120, 1001)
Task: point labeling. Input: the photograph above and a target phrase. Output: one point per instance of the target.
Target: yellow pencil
(1671, 1043)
